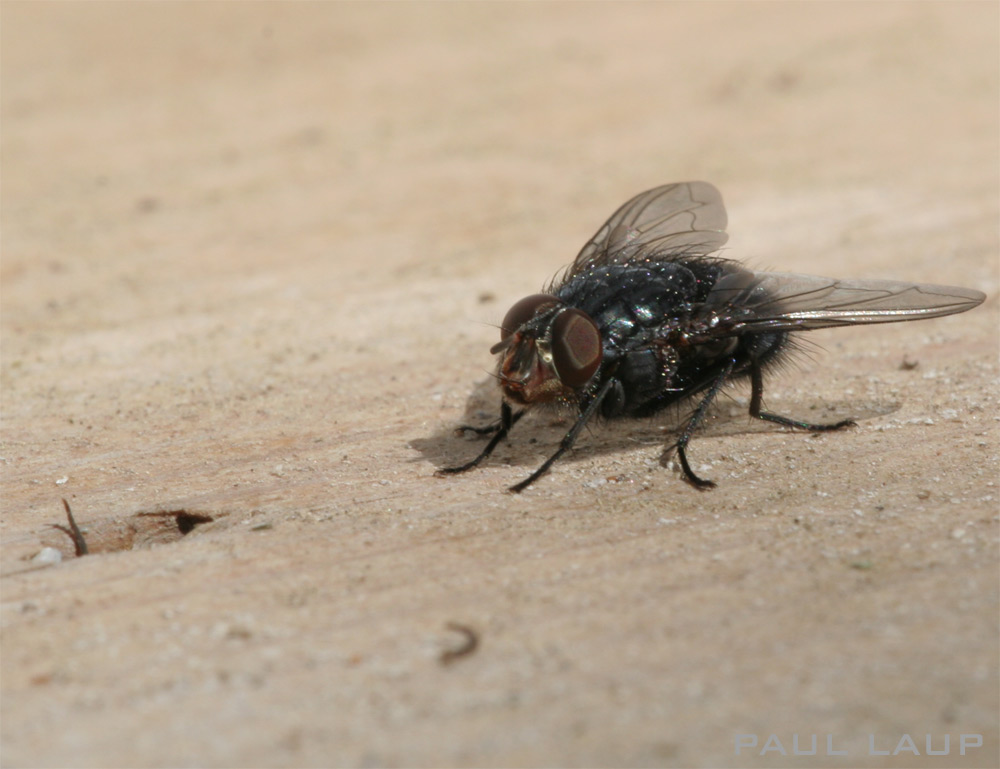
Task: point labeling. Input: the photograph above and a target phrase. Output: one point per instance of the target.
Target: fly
(647, 316)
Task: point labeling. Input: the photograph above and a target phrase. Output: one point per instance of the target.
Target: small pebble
(47, 556)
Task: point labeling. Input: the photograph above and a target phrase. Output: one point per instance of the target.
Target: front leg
(567, 442)
(507, 420)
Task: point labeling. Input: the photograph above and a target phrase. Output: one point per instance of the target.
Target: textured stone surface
(251, 258)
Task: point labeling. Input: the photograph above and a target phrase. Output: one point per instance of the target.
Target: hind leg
(756, 400)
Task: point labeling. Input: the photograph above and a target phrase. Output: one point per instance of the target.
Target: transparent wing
(688, 218)
(772, 301)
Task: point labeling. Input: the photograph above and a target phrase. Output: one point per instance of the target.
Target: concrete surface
(251, 258)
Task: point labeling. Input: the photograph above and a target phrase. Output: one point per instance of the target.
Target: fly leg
(567, 442)
(693, 422)
(756, 400)
(489, 429)
(507, 420)
(484, 430)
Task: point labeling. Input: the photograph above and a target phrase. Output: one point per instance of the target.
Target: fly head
(549, 351)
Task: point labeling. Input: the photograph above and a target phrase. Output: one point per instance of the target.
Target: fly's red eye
(576, 347)
(523, 311)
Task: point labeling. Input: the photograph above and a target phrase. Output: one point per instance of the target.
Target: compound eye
(523, 311)
(576, 347)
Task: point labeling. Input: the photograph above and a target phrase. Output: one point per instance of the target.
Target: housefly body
(646, 317)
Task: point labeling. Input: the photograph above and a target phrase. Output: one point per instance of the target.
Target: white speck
(957, 533)
(47, 556)
(61, 481)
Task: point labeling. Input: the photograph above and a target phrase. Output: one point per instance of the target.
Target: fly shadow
(535, 437)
